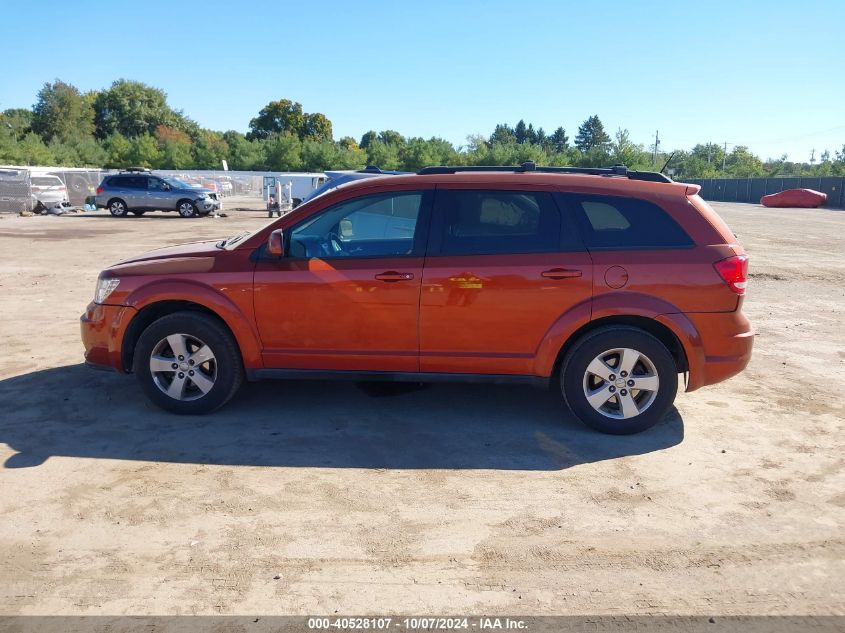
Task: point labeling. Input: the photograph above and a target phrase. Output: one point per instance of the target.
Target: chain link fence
(16, 193)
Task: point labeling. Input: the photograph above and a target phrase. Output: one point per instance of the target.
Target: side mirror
(276, 243)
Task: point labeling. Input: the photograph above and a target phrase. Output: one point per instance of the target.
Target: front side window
(155, 184)
(616, 223)
(484, 222)
(370, 226)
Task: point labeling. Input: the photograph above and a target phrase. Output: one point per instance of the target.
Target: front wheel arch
(149, 314)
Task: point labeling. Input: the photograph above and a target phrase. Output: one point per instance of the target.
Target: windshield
(231, 242)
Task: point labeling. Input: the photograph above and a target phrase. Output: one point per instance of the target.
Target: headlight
(104, 288)
(202, 196)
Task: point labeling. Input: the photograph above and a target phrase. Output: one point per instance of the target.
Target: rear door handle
(392, 275)
(561, 273)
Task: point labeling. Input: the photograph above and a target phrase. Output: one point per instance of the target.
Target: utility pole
(812, 155)
(725, 156)
(654, 153)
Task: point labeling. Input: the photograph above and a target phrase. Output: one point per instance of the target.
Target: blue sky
(767, 75)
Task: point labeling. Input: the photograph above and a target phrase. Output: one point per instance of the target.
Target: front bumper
(207, 205)
(102, 328)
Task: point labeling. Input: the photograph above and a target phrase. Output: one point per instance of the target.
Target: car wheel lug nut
(612, 376)
(612, 389)
(191, 373)
(624, 392)
(630, 383)
(191, 361)
(181, 375)
(175, 366)
(624, 373)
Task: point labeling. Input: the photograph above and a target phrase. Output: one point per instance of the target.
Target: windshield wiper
(232, 240)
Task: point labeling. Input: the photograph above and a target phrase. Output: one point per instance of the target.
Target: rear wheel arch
(651, 326)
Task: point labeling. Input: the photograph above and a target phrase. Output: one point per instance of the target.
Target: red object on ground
(795, 198)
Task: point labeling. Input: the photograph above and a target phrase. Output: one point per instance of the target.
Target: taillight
(62, 188)
(734, 270)
(100, 190)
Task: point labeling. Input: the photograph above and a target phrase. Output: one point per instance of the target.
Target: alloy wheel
(183, 367)
(621, 383)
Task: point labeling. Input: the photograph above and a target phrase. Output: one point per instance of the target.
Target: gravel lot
(334, 498)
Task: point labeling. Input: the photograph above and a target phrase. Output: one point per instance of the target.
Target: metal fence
(16, 187)
(752, 189)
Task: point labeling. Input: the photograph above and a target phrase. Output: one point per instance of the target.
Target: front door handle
(561, 273)
(392, 275)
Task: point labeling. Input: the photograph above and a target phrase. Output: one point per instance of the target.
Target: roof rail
(615, 170)
(136, 170)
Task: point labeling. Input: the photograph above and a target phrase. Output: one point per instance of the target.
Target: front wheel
(619, 380)
(188, 362)
(187, 209)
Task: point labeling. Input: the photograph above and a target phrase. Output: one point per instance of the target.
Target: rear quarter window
(617, 223)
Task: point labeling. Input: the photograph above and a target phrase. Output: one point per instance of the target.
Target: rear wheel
(187, 209)
(188, 362)
(619, 380)
(117, 208)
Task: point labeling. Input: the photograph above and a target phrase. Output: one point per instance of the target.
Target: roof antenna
(668, 160)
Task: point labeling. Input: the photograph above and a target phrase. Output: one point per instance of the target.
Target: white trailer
(301, 184)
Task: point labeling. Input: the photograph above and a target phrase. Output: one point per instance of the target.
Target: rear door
(503, 265)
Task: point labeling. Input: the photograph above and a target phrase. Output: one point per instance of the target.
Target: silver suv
(137, 192)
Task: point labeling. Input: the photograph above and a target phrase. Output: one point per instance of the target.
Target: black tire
(228, 373)
(187, 209)
(574, 380)
(117, 208)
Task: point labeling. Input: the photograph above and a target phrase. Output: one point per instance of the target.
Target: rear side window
(486, 222)
(614, 223)
(129, 182)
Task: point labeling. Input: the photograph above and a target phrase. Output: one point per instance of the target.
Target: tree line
(131, 123)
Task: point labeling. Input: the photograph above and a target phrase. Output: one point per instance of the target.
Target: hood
(195, 257)
(205, 248)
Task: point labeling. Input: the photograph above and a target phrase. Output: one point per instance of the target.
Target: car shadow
(74, 411)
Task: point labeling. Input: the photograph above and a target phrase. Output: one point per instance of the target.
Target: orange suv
(605, 282)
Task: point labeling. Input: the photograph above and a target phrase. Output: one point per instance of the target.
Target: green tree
(623, 151)
(591, 135)
(391, 137)
(278, 117)
(317, 127)
(144, 151)
(243, 154)
(559, 139)
(383, 155)
(132, 108)
(283, 152)
(62, 113)
(31, 150)
(118, 149)
(368, 138)
(503, 134)
(209, 150)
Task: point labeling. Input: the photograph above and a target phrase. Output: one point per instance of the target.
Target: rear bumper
(102, 328)
(725, 341)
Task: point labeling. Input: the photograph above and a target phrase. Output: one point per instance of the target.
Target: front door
(158, 196)
(346, 295)
(503, 266)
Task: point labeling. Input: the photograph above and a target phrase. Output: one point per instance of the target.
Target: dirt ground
(312, 498)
